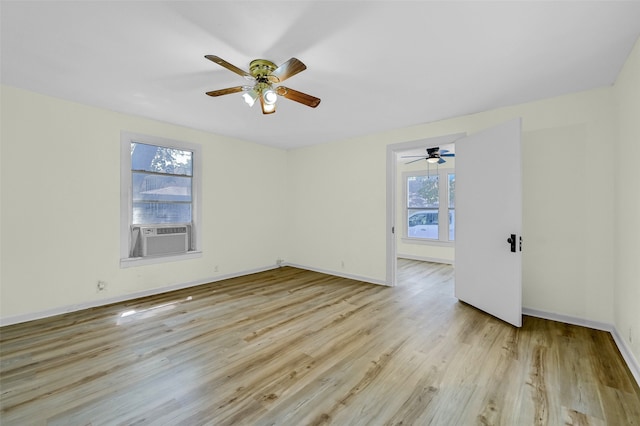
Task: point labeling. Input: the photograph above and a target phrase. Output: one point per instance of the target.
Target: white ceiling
(376, 65)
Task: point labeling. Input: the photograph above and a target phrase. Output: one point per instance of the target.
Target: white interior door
(488, 274)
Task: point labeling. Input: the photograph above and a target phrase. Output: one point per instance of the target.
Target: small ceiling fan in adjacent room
(434, 156)
(264, 74)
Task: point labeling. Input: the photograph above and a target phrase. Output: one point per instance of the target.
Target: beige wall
(61, 201)
(627, 203)
(337, 206)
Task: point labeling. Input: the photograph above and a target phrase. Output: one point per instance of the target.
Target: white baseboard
(129, 296)
(426, 259)
(338, 274)
(624, 349)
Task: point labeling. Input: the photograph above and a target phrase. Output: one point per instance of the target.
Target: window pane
(452, 204)
(151, 187)
(154, 213)
(452, 190)
(452, 224)
(160, 159)
(423, 223)
(422, 191)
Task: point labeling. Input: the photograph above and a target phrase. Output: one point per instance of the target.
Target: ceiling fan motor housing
(433, 153)
(261, 68)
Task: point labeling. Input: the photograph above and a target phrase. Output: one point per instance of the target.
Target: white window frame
(126, 207)
(443, 208)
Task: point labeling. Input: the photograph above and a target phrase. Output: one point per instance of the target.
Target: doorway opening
(430, 232)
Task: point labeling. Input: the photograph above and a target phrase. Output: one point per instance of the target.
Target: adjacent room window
(423, 200)
(159, 186)
(430, 206)
(451, 186)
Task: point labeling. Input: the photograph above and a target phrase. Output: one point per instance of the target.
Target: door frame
(392, 196)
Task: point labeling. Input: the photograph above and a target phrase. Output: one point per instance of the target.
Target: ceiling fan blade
(447, 155)
(229, 66)
(290, 68)
(423, 158)
(440, 161)
(226, 91)
(297, 96)
(413, 156)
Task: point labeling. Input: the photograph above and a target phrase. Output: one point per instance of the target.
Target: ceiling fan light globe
(250, 97)
(269, 97)
(268, 108)
(433, 160)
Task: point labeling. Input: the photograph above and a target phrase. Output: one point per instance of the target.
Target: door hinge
(393, 229)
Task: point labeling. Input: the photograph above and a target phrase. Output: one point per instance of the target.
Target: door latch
(512, 240)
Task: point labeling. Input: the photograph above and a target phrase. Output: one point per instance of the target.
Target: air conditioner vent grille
(172, 230)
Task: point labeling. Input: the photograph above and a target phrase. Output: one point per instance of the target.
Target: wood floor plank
(295, 347)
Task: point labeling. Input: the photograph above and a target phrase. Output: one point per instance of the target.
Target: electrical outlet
(342, 264)
(279, 262)
(215, 268)
(101, 286)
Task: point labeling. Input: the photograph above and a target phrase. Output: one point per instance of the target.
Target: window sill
(427, 242)
(151, 260)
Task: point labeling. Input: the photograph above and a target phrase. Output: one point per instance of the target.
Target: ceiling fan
(264, 74)
(434, 155)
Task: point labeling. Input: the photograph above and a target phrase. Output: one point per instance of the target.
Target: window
(160, 199)
(161, 184)
(451, 185)
(430, 206)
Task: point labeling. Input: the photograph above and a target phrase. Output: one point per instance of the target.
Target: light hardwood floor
(293, 347)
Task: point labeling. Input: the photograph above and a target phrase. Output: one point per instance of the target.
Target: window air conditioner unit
(159, 240)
